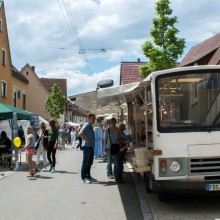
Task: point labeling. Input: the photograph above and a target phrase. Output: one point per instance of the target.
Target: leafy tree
(56, 102)
(166, 47)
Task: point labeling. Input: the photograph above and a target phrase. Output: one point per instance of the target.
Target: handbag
(115, 148)
(37, 143)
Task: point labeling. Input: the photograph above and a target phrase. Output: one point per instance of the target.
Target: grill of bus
(199, 166)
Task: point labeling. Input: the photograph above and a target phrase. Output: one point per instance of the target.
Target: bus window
(188, 101)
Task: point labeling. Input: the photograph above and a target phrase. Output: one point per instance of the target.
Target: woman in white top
(43, 145)
(73, 137)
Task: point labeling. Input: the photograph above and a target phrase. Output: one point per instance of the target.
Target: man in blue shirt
(88, 144)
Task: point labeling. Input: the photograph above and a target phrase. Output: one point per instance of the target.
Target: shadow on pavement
(107, 183)
(65, 172)
(130, 199)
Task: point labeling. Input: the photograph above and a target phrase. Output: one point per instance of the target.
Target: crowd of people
(49, 141)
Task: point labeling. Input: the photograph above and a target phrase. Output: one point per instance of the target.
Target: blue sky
(39, 35)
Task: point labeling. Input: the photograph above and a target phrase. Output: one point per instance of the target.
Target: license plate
(212, 187)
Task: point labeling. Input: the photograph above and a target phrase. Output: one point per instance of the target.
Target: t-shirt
(114, 137)
(88, 131)
(31, 136)
(53, 134)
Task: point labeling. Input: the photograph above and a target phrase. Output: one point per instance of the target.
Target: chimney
(33, 68)
(138, 60)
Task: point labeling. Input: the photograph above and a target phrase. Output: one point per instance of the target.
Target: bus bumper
(177, 186)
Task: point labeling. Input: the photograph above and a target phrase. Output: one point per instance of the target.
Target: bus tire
(163, 196)
(148, 189)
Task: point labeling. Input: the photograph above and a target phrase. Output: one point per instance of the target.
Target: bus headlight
(175, 166)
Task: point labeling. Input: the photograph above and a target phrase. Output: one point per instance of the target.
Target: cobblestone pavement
(185, 207)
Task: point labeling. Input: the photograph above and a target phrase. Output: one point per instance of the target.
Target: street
(62, 195)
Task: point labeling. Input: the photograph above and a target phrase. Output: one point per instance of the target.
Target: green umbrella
(6, 112)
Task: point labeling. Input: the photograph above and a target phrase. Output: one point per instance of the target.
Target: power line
(63, 48)
(73, 30)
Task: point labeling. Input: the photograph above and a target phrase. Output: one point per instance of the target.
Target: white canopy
(108, 100)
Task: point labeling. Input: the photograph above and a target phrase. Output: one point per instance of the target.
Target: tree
(166, 47)
(56, 102)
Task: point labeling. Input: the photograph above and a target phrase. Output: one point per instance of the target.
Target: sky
(85, 41)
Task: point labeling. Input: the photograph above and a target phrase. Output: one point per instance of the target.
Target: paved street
(62, 195)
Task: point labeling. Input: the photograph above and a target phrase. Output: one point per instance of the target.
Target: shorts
(30, 151)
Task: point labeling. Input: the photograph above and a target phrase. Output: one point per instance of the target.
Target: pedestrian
(21, 134)
(73, 137)
(52, 144)
(61, 134)
(111, 133)
(79, 138)
(88, 144)
(5, 141)
(30, 151)
(124, 143)
(42, 149)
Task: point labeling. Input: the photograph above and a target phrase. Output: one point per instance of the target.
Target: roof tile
(49, 82)
(201, 50)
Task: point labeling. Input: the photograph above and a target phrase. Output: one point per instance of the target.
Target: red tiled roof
(130, 72)
(49, 82)
(203, 49)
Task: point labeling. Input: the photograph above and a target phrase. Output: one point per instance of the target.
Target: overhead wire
(73, 30)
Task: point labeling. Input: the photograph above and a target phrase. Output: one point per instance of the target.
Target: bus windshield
(188, 101)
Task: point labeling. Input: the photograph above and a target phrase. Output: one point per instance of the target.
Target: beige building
(37, 93)
(38, 90)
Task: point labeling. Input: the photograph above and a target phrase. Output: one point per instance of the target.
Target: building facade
(14, 87)
(37, 92)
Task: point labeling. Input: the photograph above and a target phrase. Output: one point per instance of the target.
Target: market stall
(129, 102)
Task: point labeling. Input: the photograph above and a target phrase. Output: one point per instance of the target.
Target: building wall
(37, 93)
(11, 82)
(5, 69)
(17, 87)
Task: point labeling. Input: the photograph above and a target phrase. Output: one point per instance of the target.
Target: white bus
(184, 112)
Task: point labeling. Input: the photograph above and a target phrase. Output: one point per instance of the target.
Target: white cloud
(119, 26)
(78, 82)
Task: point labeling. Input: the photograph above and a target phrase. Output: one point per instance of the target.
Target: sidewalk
(6, 171)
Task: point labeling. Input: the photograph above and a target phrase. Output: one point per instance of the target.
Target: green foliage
(166, 47)
(56, 102)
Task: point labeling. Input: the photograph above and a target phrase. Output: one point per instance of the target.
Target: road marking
(139, 184)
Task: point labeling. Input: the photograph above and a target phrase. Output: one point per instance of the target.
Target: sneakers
(36, 170)
(31, 174)
(92, 179)
(50, 169)
(86, 180)
(44, 169)
(53, 170)
(110, 177)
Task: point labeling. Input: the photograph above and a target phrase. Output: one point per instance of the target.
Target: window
(3, 89)
(24, 100)
(19, 93)
(27, 73)
(0, 25)
(3, 57)
(15, 97)
(187, 101)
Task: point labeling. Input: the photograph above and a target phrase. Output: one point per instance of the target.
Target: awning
(6, 112)
(109, 100)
